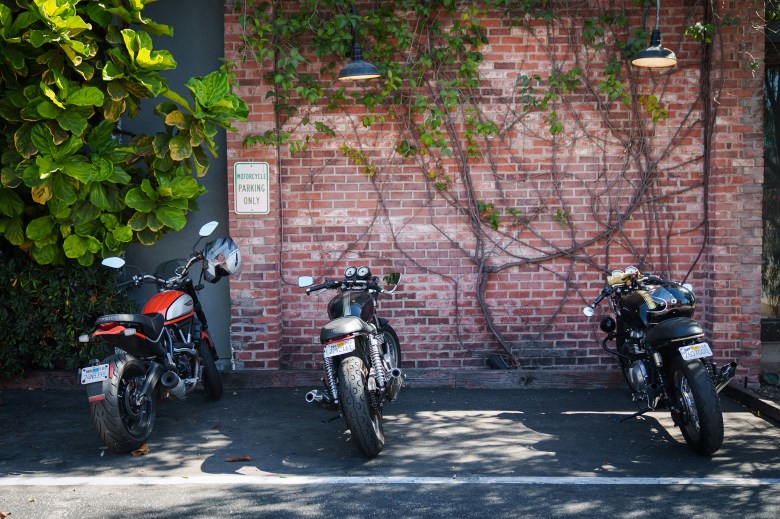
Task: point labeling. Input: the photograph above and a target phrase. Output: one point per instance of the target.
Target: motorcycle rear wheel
(701, 420)
(123, 425)
(211, 379)
(392, 346)
(363, 423)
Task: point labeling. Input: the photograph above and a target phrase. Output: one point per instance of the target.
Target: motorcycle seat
(342, 326)
(150, 325)
(674, 329)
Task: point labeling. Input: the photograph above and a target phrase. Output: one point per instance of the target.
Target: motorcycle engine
(637, 376)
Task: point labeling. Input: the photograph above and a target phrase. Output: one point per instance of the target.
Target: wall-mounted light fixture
(357, 69)
(655, 56)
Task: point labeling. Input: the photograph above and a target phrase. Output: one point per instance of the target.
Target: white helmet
(222, 259)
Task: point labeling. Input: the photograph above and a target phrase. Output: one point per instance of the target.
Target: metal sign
(250, 187)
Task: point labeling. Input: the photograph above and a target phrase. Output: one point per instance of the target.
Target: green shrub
(44, 308)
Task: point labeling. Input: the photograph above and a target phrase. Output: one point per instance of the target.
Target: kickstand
(332, 419)
(629, 417)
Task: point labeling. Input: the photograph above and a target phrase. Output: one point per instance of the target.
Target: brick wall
(326, 213)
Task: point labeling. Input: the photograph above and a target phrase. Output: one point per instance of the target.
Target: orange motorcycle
(163, 351)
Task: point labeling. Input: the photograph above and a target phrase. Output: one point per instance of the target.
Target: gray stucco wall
(197, 46)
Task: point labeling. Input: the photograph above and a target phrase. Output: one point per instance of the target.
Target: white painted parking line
(263, 481)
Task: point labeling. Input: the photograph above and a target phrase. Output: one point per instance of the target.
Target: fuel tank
(175, 305)
(358, 304)
(657, 303)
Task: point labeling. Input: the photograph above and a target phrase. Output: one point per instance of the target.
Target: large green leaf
(44, 255)
(123, 234)
(72, 121)
(171, 217)
(14, 232)
(79, 168)
(40, 227)
(75, 246)
(10, 203)
(211, 89)
(137, 199)
(87, 96)
(63, 188)
(42, 139)
(180, 146)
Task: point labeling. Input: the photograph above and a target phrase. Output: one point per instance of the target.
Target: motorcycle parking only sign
(250, 185)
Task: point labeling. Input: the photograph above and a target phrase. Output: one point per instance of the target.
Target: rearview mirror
(588, 311)
(305, 281)
(207, 229)
(113, 262)
(393, 278)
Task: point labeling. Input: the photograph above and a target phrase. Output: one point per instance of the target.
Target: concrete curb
(749, 398)
(417, 378)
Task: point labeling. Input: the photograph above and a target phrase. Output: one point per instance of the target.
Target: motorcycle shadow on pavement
(438, 433)
(428, 432)
(454, 433)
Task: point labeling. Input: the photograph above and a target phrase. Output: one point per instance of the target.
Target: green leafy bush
(73, 185)
(44, 308)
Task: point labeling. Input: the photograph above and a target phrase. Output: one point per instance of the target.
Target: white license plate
(339, 348)
(94, 374)
(695, 351)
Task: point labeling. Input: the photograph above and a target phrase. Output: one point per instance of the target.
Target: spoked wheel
(701, 418)
(392, 346)
(211, 379)
(123, 420)
(364, 424)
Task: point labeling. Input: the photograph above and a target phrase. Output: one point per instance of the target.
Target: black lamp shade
(357, 69)
(654, 56)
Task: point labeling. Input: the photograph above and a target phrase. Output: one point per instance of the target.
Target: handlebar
(139, 279)
(370, 284)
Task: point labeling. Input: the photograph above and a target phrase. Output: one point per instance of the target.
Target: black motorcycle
(361, 355)
(663, 354)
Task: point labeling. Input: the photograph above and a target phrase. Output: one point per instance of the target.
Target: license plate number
(695, 351)
(94, 374)
(339, 348)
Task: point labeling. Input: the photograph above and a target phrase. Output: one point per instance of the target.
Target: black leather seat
(150, 325)
(674, 328)
(343, 326)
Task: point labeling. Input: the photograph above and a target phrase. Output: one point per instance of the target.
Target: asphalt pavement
(448, 453)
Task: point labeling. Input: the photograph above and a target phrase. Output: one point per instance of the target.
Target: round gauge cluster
(360, 272)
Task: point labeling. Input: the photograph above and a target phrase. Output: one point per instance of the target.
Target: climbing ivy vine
(434, 87)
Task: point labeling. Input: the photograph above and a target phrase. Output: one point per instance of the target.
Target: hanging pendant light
(357, 69)
(655, 56)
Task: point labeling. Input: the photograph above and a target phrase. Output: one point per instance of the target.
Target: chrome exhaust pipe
(725, 375)
(171, 382)
(316, 396)
(397, 378)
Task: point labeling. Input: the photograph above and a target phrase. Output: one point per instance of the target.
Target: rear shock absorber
(376, 359)
(331, 375)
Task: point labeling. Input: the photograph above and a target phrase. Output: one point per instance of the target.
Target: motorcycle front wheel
(364, 424)
(701, 418)
(211, 379)
(122, 422)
